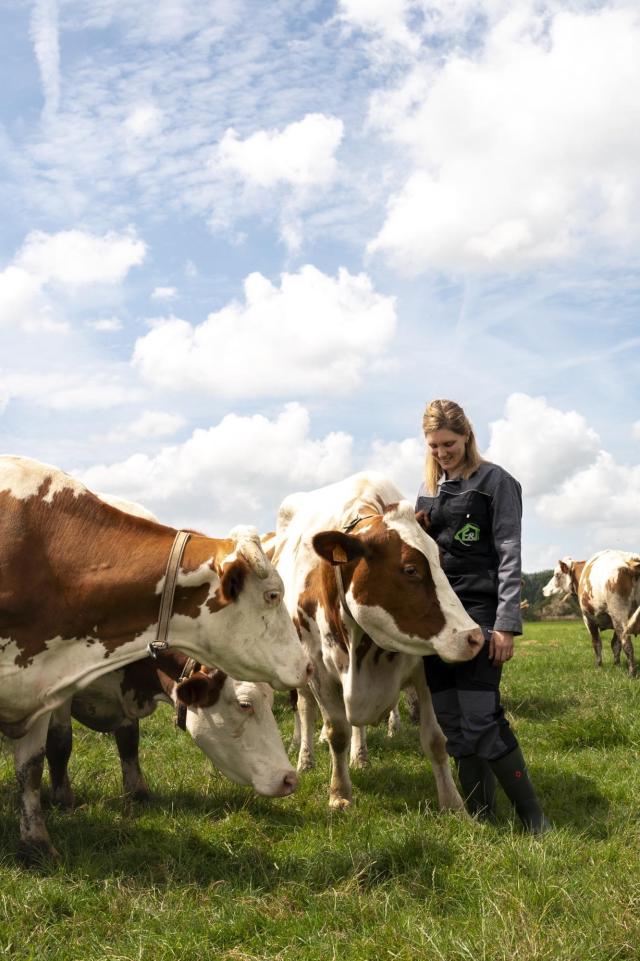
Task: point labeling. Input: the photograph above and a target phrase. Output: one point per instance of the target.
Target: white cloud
(75, 257)
(539, 444)
(302, 154)
(4, 400)
(44, 34)
(238, 470)
(106, 324)
(143, 121)
(385, 18)
(164, 293)
(605, 494)
(523, 152)
(313, 333)
(151, 424)
(402, 461)
(74, 390)
(635, 429)
(69, 259)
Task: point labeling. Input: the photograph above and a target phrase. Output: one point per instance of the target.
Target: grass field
(210, 871)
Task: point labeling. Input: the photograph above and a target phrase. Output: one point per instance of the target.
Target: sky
(243, 245)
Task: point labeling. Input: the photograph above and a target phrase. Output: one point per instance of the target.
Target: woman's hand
(500, 647)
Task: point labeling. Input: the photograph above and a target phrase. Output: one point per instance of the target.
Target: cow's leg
(307, 711)
(627, 646)
(28, 758)
(616, 647)
(393, 721)
(323, 737)
(359, 755)
(596, 640)
(413, 704)
(295, 739)
(433, 744)
(128, 741)
(58, 750)
(339, 735)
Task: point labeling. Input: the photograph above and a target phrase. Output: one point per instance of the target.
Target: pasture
(208, 870)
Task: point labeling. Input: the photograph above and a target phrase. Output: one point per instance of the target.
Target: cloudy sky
(243, 243)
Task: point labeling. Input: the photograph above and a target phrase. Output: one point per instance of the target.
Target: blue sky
(244, 243)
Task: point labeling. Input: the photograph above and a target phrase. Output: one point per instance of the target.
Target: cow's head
(395, 587)
(562, 579)
(254, 634)
(233, 724)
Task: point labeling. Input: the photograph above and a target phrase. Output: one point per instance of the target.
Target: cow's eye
(246, 707)
(410, 570)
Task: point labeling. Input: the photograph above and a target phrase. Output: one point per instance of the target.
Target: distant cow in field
(608, 590)
(367, 593)
(81, 589)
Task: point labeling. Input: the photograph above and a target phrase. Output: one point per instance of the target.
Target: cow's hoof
(305, 764)
(34, 853)
(64, 799)
(141, 796)
(339, 803)
(360, 762)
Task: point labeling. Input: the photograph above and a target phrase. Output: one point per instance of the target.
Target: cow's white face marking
(240, 736)
(560, 581)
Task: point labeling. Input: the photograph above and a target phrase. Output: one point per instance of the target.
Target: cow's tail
(633, 624)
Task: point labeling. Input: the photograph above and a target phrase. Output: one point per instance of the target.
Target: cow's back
(610, 585)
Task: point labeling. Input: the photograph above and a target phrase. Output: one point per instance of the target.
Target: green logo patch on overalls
(468, 534)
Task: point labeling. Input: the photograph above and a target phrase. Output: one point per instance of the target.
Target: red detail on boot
(518, 773)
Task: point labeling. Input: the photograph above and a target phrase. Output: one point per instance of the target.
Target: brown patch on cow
(576, 573)
(188, 601)
(380, 580)
(202, 689)
(77, 569)
(586, 592)
(621, 583)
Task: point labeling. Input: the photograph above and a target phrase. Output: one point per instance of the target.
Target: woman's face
(448, 448)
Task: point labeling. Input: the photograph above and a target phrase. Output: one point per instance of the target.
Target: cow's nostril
(475, 639)
(309, 670)
(290, 781)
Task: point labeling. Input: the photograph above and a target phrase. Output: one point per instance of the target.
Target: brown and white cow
(367, 593)
(608, 590)
(231, 722)
(80, 586)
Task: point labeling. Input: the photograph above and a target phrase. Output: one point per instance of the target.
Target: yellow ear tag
(339, 555)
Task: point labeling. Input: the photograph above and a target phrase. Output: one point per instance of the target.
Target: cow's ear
(564, 567)
(338, 548)
(423, 521)
(194, 691)
(233, 578)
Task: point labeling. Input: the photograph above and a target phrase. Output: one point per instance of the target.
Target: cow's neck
(576, 573)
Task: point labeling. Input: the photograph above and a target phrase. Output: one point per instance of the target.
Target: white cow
(608, 590)
(367, 593)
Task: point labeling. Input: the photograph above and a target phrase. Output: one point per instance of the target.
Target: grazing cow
(366, 591)
(608, 590)
(81, 585)
(231, 722)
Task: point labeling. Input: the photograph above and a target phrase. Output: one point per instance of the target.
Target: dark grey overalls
(476, 524)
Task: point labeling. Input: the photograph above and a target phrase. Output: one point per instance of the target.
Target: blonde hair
(447, 414)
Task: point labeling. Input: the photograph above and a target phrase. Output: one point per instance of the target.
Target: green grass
(209, 871)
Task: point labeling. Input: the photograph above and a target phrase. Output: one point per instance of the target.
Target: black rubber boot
(511, 772)
(478, 784)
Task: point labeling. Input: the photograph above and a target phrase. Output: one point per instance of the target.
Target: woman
(475, 511)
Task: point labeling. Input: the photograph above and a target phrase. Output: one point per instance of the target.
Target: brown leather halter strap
(161, 642)
(190, 666)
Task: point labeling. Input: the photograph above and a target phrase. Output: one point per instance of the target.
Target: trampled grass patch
(209, 870)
